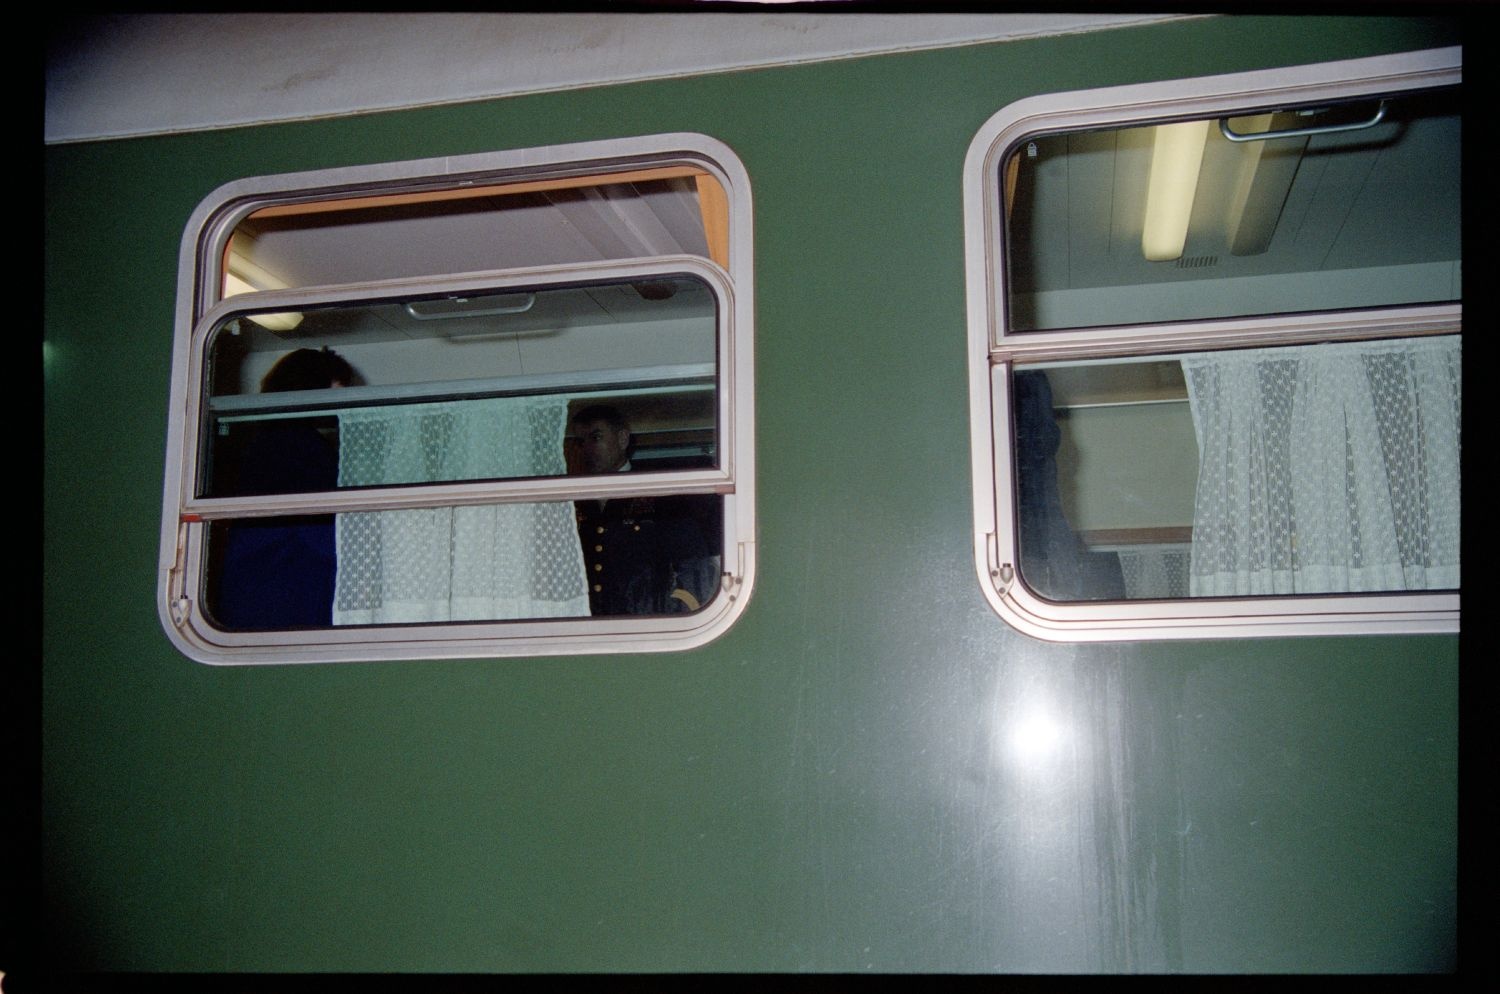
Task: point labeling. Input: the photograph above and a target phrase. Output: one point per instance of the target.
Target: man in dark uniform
(643, 555)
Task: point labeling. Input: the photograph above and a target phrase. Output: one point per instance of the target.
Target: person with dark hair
(307, 369)
(280, 572)
(643, 555)
(604, 439)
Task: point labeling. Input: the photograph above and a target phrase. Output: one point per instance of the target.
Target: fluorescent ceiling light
(243, 276)
(1176, 156)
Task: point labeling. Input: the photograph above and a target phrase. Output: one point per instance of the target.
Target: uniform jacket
(649, 555)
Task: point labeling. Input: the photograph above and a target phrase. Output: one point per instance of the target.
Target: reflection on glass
(447, 389)
(1310, 469)
(1175, 221)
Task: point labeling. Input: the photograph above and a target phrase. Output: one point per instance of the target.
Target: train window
(1215, 347)
(489, 406)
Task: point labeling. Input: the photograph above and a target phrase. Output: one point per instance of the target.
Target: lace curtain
(490, 562)
(1327, 468)
(1154, 571)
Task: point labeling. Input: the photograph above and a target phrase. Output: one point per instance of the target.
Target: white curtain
(1154, 571)
(492, 562)
(1327, 468)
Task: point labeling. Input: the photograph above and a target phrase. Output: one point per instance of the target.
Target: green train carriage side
(884, 741)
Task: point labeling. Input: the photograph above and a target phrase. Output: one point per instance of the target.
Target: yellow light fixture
(1176, 156)
(243, 276)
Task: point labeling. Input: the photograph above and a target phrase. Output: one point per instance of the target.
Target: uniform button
(598, 567)
(599, 530)
(598, 587)
(598, 548)
(637, 527)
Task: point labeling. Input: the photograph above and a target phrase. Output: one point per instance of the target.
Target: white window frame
(994, 351)
(185, 516)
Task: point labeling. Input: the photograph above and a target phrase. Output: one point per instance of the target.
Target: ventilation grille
(1197, 261)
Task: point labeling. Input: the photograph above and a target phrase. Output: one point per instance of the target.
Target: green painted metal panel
(834, 784)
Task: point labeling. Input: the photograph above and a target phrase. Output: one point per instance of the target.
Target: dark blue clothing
(1053, 562)
(280, 572)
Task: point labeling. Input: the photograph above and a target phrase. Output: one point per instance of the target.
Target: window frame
(993, 353)
(200, 309)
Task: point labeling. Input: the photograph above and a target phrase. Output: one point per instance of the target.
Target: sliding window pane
(434, 390)
(1178, 222)
(1329, 468)
(636, 556)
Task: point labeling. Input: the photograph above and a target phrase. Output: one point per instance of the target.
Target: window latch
(1003, 574)
(730, 579)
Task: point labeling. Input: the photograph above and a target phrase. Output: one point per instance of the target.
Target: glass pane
(1176, 221)
(427, 390)
(512, 562)
(1328, 468)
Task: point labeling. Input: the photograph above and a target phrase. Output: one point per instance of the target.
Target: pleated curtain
(1327, 468)
(489, 562)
